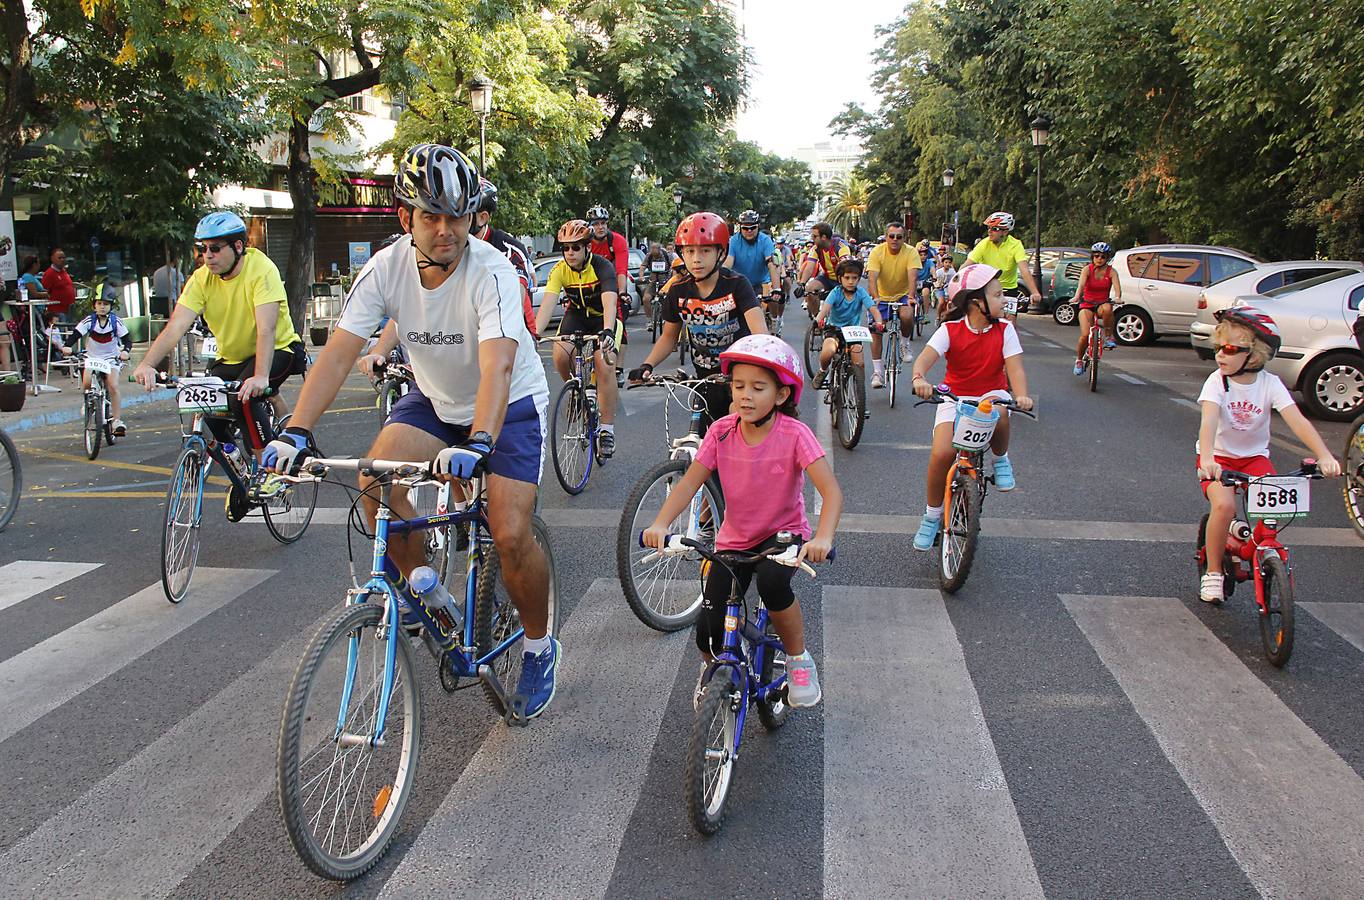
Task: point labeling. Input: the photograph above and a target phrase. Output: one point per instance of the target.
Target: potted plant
(12, 393)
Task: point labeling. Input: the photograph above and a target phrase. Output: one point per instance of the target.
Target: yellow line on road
(354, 409)
(110, 495)
(112, 464)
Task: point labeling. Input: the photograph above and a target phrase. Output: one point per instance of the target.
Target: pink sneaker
(802, 681)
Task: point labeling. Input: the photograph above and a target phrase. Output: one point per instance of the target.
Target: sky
(809, 60)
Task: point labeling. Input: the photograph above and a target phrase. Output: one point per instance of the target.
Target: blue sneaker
(536, 687)
(928, 530)
(1109, 343)
(1079, 367)
(1004, 475)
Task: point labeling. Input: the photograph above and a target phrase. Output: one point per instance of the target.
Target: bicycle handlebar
(1231, 478)
(175, 381)
(941, 394)
(681, 379)
(677, 544)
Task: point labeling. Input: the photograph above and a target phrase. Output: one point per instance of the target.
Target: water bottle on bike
(426, 587)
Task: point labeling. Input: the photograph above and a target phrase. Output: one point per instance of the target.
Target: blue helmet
(218, 224)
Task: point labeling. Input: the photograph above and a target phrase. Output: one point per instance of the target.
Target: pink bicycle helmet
(771, 353)
(970, 277)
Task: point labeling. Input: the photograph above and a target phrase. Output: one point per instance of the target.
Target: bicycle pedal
(516, 710)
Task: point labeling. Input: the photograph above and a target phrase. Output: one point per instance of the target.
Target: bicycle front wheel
(180, 534)
(1276, 618)
(851, 406)
(1095, 351)
(712, 752)
(814, 339)
(389, 394)
(94, 428)
(960, 534)
(665, 593)
(570, 438)
(891, 363)
(288, 513)
(1353, 488)
(496, 617)
(341, 796)
(11, 480)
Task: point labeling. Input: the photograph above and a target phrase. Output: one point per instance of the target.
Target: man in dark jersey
(716, 305)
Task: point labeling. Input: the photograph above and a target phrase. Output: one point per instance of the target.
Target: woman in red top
(1098, 281)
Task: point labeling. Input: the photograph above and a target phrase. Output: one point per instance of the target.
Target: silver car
(1263, 279)
(1319, 357)
(544, 264)
(1161, 284)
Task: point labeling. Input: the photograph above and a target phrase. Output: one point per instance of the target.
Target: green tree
(851, 202)
(733, 175)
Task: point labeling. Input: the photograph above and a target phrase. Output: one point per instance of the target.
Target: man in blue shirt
(847, 304)
(752, 254)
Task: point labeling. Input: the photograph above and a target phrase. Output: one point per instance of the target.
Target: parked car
(1051, 258)
(1263, 279)
(545, 263)
(1060, 287)
(1319, 357)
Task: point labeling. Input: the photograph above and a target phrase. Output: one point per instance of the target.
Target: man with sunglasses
(239, 293)
(752, 254)
(821, 262)
(891, 270)
(1005, 252)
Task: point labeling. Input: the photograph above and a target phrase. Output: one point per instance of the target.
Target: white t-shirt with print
(1243, 429)
(440, 329)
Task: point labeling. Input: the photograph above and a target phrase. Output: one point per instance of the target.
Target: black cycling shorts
(576, 320)
(774, 587)
(256, 416)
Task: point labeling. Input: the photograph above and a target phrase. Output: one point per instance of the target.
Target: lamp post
(948, 176)
(677, 204)
(1041, 132)
(908, 208)
(481, 100)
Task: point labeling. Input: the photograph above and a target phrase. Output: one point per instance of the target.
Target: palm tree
(850, 201)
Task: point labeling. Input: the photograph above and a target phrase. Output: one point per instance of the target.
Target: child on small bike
(847, 304)
(106, 337)
(984, 358)
(763, 453)
(1234, 431)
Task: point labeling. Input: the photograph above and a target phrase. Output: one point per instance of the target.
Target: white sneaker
(877, 381)
(1210, 588)
(906, 353)
(802, 681)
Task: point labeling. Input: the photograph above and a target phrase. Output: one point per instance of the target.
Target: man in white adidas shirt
(480, 395)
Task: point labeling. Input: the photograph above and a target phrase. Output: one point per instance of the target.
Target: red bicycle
(1254, 552)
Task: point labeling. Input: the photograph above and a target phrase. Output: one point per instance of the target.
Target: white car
(546, 263)
(1319, 357)
(1263, 279)
(1161, 284)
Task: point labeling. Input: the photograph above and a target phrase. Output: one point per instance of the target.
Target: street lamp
(948, 176)
(481, 100)
(908, 209)
(677, 203)
(1041, 132)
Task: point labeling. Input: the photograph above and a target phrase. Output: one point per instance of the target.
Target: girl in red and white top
(984, 358)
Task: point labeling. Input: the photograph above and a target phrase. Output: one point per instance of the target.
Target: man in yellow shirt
(891, 270)
(1005, 252)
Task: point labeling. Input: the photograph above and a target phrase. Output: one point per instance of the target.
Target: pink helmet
(769, 352)
(970, 277)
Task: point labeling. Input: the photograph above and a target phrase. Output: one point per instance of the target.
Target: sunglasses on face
(748, 227)
(1232, 349)
(575, 246)
(895, 237)
(997, 228)
(215, 249)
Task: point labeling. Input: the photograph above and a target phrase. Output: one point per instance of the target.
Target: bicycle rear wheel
(571, 438)
(960, 533)
(1353, 489)
(94, 428)
(288, 513)
(341, 797)
(1201, 555)
(11, 480)
(665, 593)
(496, 618)
(852, 406)
(1095, 351)
(814, 339)
(180, 533)
(774, 711)
(712, 752)
(1276, 619)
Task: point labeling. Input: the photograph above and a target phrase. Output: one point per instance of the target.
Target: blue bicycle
(350, 737)
(750, 670)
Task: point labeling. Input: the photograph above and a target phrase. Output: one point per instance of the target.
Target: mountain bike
(11, 479)
(392, 380)
(890, 348)
(664, 592)
(1254, 553)
(575, 426)
(287, 508)
(846, 382)
(749, 671)
(967, 484)
(350, 736)
(1353, 489)
(99, 418)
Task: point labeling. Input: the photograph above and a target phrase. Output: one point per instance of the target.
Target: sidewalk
(69, 404)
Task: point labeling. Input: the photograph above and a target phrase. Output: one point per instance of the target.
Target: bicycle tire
(571, 444)
(1095, 351)
(1276, 619)
(315, 673)
(891, 363)
(853, 405)
(1353, 488)
(656, 320)
(180, 530)
(960, 534)
(496, 618)
(11, 480)
(711, 750)
(652, 589)
(1201, 556)
(298, 498)
(388, 397)
(773, 713)
(94, 429)
(814, 339)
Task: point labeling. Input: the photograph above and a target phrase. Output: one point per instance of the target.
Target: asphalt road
(1073, 723)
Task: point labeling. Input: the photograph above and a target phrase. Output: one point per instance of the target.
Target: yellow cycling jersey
(583, 289)
(1007, 256)
(229, 307)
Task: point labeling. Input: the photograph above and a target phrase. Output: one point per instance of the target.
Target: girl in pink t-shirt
(762, 453)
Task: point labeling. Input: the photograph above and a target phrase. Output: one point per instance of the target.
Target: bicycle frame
(741, 632)
(1264, 540)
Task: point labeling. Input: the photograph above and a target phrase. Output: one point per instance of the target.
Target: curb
(74, 413)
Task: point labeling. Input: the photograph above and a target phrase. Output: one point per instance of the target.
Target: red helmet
(703, 229)
(1259, 323)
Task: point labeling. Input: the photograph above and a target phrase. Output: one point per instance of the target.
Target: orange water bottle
(986, 406)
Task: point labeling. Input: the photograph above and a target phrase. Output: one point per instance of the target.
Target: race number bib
(202, 395)
(1278, 497)
(972, 434)
(856, 334)
(210, 348)
(102, 365)
(658, 265)
(1010, 305)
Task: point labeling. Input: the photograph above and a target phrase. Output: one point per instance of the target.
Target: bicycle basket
(972, 429)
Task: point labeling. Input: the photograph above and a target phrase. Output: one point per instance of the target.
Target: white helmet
(1000, 220)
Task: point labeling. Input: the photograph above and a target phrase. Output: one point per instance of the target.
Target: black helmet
(487, 197)
(438, 179)
(749, 217)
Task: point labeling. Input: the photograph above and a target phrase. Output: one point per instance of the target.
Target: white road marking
(1266, 780)
(915, 803)
(1345, 619)
(1185, 401)
(1130, 379)
(26, 578)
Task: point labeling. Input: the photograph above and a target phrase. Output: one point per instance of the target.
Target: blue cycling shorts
(518, 454)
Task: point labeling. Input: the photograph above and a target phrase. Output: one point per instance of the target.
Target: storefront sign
(356, 195)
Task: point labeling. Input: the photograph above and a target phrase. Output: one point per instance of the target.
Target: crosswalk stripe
(1345, 619)
(1278, 795)
(600, 727)
(26, 578)
(915, 802)
(48, 674)
(144, 828)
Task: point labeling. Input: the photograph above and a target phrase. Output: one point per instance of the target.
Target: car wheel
(1132, 326)
(1333, 386)
(1065, 314)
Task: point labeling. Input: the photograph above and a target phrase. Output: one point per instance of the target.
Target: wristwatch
(481, 437)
